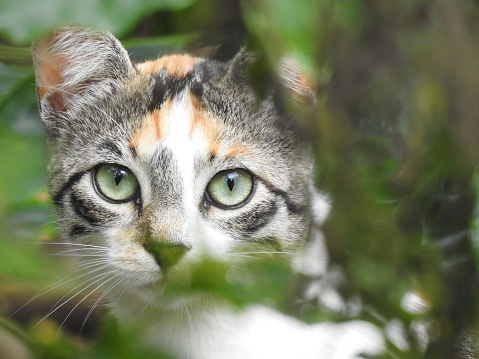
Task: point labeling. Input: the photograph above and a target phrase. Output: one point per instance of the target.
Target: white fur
(178, 141)
(257, 332)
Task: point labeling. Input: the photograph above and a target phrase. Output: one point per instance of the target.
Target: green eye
(115, 182)
(230, 188)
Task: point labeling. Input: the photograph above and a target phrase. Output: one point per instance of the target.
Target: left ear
(72, 60)
(296, 81)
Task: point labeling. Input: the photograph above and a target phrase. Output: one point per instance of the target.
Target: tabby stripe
(259, 219)
(133, 151)
(158, 93)
(85, 210)
(111, 148)
(292, 207)
(169, 87)
(77, 231)
(67, 186)
(254, 219)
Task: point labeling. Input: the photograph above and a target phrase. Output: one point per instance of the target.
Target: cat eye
(115, 183)
(230, 188)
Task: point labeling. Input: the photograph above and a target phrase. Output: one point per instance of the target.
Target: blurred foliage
(394, 130)
(22, 22)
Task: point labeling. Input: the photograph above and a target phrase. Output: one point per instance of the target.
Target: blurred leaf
(15, 55)
(115, 342)
(22, 166)
(23, 23)
(18, 107)
(141, 49)
(11, 77)
(255, 280)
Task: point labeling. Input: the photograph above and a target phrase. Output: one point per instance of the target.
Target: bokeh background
(394, 130)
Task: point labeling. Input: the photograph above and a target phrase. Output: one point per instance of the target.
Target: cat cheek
(128, 256)
(213, 241)
(134, 264)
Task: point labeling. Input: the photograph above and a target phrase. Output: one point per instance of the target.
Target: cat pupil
(231, 183)
(118, 176)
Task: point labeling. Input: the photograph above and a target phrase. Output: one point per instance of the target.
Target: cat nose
(166, 254)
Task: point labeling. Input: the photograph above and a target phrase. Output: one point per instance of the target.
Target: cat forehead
(181, 121)
(172, 74)
(177, 112)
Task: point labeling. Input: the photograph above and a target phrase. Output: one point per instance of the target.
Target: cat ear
(74, 61)
(293, 77)
(238, 66)
(296, 81)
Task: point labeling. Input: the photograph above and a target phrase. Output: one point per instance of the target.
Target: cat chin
(158, 290)
(156, 299)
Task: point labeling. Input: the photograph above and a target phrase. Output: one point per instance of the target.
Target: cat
(155, 166)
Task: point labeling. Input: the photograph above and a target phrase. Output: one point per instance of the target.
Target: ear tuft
(296, 81)
(238, 66)
(72, 59)
(242, 59)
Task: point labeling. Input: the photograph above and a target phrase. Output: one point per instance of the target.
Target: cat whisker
(148, 305)
(213, 300)
(188, 316)
(124, 287)
(93, 250)
(63, 254)
(85, 297)
(95, 305)
(47, 224)
(57, 307)
(62, 281)
(262, 252)
(77, 244)
(90, 250)
(255, 254)
(82, 252)
(87, 274)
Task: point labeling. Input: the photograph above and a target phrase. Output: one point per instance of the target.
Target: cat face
(154, 165)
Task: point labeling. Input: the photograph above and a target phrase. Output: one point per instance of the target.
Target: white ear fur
(296, 81)
(72, 59)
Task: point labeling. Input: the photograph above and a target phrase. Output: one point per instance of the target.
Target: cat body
(154, 167)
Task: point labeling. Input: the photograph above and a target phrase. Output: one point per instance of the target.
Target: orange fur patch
(214, 148)
(175, 65)
(156, 118)
(152, 129)
(235, 151)
(199, 118)
(209, 127)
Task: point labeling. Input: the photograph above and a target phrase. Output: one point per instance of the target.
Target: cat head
(160, 162)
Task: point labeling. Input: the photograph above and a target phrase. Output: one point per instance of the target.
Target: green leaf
(23, 20)
(22, 171)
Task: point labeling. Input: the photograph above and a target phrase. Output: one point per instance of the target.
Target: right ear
(73, 64)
